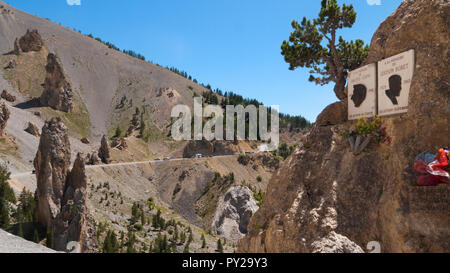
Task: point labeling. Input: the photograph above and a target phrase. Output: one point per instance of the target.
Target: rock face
(333, 114)
(103, 152)
(120, 144)
(52, 164)
(7, 96)
(33, 129)
(31, 41)
(4, 116)
(205, 147)
(74, 223)
(233, 213)
(323, 198)
(57, 90)
(16, 49)
(93, 159)
(61, 193)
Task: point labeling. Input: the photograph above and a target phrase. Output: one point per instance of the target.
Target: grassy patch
(8, 147)
(29, 73)
(78, 121)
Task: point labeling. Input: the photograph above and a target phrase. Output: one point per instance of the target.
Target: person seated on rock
(436, 169)
(395, 86)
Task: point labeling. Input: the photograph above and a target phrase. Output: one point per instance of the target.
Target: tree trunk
(339, 88)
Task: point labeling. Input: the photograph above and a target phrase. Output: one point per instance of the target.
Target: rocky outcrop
(103, 152)
(4, 116)
(233, 213)
(119, 143)
(16, 49)
(93, 159)
(57, 90)
(333, 114)
(194, 147)
(52, 164)
(31, 41)
(61, 193)
(33, 129)
(74, 222)
(85, 141)
(324, 198)
(7, 96)
(206, 148)
(222, 147)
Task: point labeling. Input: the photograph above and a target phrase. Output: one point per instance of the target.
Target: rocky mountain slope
(60, 106)
(326, 199)
(99, 75)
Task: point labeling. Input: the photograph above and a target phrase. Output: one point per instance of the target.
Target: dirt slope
(101, 76)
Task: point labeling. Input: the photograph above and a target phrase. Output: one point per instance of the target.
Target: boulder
(33, 129)
(94, 159)
(16, 49)
(7, 96)
(104, 152)
(119, 143)
(333, 114)
(85, 141)
(57, 90)
(31, 41)
(194, 147)
(233, 213)
(205, 147)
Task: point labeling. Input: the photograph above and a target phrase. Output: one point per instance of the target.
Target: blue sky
(230, 44)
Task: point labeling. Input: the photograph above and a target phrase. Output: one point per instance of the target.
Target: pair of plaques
(383, 91)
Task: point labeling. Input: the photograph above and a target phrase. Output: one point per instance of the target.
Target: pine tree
(186, 247)
(50, 243)
(191, 238)
(36, 236)
(20, 234)
(110, 245)
(118, 132)
(134, 213)
(142, 128)
(130, 243)
(173, 247)
(219, 246)
(203, 241)
(175, 234)
(142, 217)
(6, 197)
(331, 63)
(182, 237)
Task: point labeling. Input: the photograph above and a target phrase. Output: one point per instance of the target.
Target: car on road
(198, 156)
(166, 158)
(158, 159)
(172, 158)
(33, 171)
